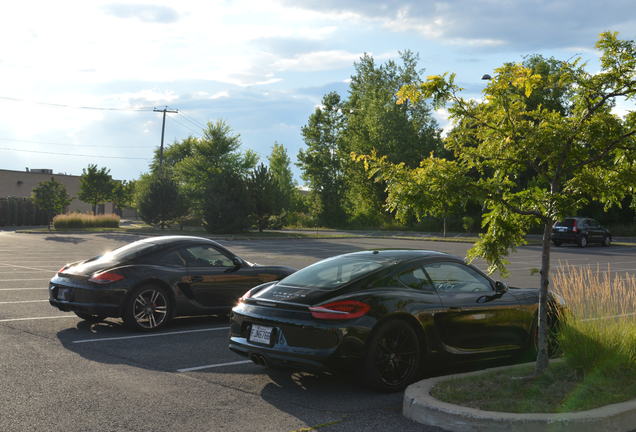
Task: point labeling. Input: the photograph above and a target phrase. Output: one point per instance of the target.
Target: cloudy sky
(79, 79)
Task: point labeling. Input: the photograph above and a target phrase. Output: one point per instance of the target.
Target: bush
(598, 331)
(82, 220)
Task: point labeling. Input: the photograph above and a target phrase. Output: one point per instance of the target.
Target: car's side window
(205, 256)
(416, 278)
(455, 277)
(172, 259)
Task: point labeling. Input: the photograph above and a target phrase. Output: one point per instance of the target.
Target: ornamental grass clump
(82, 220)
(598, 331)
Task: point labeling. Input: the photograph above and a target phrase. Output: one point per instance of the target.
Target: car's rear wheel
(149, 308)
(92, 318)
(557, 243)
(393, 356)
(583, 241)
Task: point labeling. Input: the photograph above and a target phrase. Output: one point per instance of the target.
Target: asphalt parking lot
(58, 373)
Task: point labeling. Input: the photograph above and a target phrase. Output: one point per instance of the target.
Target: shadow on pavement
(65, 239)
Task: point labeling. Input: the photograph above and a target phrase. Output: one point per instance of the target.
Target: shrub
(82, 220)
(598, 334)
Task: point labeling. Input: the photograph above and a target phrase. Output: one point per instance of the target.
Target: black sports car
(149, 281)
(387, 312)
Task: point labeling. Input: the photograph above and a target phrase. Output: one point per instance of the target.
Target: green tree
(175, 153)
(226, 205)
(51, 197)
(264, 196)
(159, 199)
(570, 152)
(322, 161)
(279, 167)
(96, 186)
(123, 194)
(403, 133)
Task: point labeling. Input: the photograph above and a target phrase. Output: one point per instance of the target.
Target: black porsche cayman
(149, 281)
(386, 312)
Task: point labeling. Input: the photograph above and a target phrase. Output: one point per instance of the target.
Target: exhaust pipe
(259, 359)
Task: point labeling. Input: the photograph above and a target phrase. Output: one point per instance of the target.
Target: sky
(80, 79)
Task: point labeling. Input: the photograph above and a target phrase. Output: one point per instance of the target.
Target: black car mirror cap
(501, 287)
(237, 262)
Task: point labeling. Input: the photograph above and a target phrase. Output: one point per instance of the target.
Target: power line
(184, 126)
(73, 154)
(59, 105)
(68, 144)
(194, 121)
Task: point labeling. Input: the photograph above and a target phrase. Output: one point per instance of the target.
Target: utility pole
(163, 129)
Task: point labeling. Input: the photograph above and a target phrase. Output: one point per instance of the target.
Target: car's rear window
(334, 272)
(566, 223)
(129, 251)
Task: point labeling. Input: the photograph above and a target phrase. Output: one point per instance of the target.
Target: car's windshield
(334, 272)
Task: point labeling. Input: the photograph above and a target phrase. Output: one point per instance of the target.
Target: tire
(148, 308)
(557, 243)
(607, 241)
(393, 357)
(91, 318)
(583, 241)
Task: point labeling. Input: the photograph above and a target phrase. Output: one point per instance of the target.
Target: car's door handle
(196, 278)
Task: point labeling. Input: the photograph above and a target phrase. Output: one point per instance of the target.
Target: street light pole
(163, 129)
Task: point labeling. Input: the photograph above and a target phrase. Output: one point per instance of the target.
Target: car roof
(175, 239)
(397, 254)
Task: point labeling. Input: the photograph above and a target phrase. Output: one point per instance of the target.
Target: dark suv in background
(580, 230)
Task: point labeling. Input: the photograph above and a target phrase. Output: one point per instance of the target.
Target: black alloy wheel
(607, 241)
(557, 243)
(149, 308)
(393, 357)
(91, 318)
(583, 241)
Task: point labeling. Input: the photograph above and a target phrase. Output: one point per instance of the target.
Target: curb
(420, 406)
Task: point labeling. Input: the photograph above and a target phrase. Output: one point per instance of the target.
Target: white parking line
(22, 301)
(22, 289)
(214, 366)
(28, 268)
(20, 280)
(38, 318)
(150, 335)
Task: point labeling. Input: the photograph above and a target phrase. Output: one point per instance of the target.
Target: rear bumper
(98, 301)
(297, 341)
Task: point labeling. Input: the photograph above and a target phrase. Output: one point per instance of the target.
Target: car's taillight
(574, 229)
(344, 309)
(64, 267)
(245, 296)
(106, 277)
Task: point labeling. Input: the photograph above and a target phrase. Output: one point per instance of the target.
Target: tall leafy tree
(51, 197)
(159, 199)
(279, 168)
(571, 150)
(403, 133)
(226, 206)
(123, 194)
(264, 195)
(96, 186)
(322, 161)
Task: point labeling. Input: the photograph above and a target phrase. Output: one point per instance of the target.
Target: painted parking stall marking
(149, 335)
(196, 368)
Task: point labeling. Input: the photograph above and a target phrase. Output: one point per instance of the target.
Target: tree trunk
(444, 222)
(543, 356)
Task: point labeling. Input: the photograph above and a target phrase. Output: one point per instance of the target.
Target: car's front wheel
(583, 241)
(149, 308)
(607, 241)
(393, 356)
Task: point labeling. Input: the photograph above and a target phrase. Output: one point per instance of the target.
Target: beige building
(21, 184)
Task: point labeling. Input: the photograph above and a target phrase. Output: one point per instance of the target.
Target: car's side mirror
(500, 287)
(237, 262)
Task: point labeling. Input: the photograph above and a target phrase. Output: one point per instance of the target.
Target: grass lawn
(558, 390)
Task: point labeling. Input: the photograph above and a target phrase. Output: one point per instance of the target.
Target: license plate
(261, 334)
(562, 229)
(63, 294)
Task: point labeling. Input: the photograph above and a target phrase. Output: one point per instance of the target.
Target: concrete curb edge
(418, 405)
